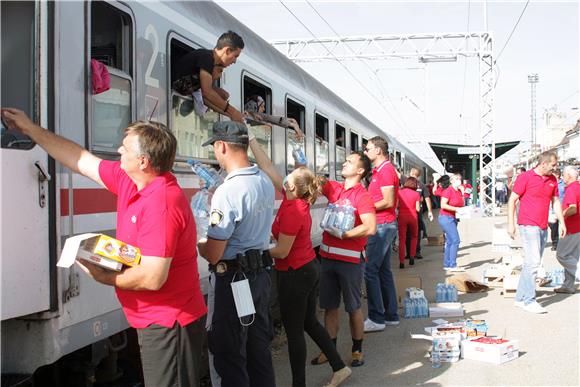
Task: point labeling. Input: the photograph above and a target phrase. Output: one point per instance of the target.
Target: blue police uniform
(241, 213)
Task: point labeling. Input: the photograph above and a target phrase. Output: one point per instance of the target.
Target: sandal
(320, 359)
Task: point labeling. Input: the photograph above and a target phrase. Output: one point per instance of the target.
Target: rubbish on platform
(513, 262)
(501, 241)
(489, 349)
(404, 282)
(475, 328)
(438, 240)
(446, 309)
(99, 249)
(510, 284)
(464, 283)
(493, 275)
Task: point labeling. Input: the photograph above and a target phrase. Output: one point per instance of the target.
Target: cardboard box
(501, 241)
(446, 309)
(404, 282)
(463, 212)
(475, 328)
(510, 285)
(491, 350)
(100, 249)
(436, 240)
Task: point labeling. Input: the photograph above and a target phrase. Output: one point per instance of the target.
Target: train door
(25, 178)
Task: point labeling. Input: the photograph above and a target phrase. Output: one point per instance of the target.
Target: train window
(365, 141)
(398, 159)
(111, 45)
(340, 156)
(18, 70)
(296, 111)
(190, 129)
(254, 93)
(321, 147)
(354, 142)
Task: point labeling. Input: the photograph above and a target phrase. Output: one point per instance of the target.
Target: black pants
(242, 354)
(297, 294)
(554, 231)
(422, 231)
(171, 356)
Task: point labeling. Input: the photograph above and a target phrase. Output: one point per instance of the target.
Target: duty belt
(252, 261)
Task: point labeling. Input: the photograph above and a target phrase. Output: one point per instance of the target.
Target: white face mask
(456, 183)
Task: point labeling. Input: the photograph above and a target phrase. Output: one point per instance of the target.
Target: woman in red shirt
(451, 200)
(297, 268)
(409, 206)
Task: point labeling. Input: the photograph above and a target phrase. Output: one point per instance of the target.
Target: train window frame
(264, 132)
(181, 159)
(302, 123)
(126, 11)
(338, 163)
(327, 140)
(357, 147)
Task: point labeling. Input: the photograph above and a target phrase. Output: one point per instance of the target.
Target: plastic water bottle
(339, 217)
(454, 295)
(439, 293)
(435, 359)
(348, 222)
(298, 155)
(328, 215)
(211, 179)
(406, 307)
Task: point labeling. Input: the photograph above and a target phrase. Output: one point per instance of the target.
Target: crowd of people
(162, 299)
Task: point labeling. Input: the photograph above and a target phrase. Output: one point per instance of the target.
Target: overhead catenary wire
(513, 30)
(365, 88)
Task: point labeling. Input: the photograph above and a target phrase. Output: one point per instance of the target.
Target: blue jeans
(381, 293)
(449, 226)
(533, 241)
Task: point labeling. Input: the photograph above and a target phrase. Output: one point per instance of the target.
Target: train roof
(216, 20)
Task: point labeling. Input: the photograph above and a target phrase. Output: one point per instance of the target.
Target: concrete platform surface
(549, 343)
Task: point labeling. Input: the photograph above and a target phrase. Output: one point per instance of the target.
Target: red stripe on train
(98, 200)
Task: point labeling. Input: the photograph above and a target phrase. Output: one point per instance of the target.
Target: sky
(441, 103)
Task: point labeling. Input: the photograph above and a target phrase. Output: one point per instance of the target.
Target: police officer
(237, 248)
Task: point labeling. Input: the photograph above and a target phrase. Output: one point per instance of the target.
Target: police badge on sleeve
(215, 217)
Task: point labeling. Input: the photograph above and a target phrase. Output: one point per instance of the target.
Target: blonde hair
(307, 184)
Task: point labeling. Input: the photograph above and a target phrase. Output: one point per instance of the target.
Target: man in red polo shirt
(161, 297)
(342, 269)
(568, 251)
(383, 188)
(535, 189)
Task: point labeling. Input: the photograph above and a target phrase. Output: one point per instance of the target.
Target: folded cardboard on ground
(99, 249)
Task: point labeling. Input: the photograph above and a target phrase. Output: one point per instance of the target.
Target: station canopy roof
(461, 163)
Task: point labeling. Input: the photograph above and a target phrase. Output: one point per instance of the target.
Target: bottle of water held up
(212, 178)
(200, 207)
(298, 155)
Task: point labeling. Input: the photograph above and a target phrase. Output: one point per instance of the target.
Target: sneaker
(519, 304)
(357, 359)
(564, 290)
(339, 376)
(401, 265)
(418, 256)
(411, 261)
(534, 307)
(543, 282)
(392, 323)
(320, 359)
(371, 326)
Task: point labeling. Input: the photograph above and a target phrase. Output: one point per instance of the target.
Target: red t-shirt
(454, 198)
(361, 200)
(293, 218)
(536, 193)
(407, 200)
(468, 188)
(384, 176)
(158, 220)
(572, 197)
(438, 191)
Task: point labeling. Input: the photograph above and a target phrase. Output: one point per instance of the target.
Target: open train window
(18, 66)
(340, 156)
(354, 147)
(111, 54)
(255, 95)
(190, 129)
(365, 141)
(321, 147)
(296, 111)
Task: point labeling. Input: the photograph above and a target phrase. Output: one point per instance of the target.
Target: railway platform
(549, 343)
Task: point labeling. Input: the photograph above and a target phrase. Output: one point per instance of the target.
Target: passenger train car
(47, 48)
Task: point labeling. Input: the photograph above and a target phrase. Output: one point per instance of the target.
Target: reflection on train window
(17, 79)
(111, 102)
(354, 147)
(257, 98)
(296, 111)
(321, 147)
(340, 157)
(190, 128)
